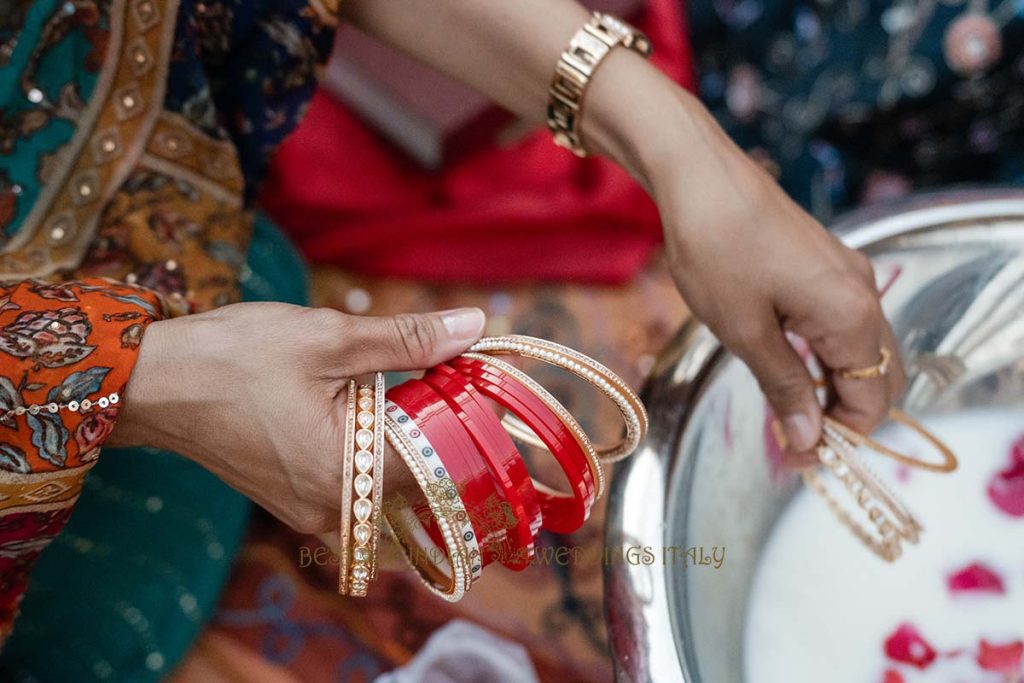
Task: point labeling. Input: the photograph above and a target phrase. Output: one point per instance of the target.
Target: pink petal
(893, 676)
(976, 578)
(1017, 450)
(1006, 488)
(906, 645)
(1002, 658)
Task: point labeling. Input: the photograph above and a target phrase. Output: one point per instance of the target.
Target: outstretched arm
(750, 263)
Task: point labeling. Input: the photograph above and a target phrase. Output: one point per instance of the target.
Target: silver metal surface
(702, 480)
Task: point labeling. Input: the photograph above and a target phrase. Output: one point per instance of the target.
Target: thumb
(788, 386)
(412, 341)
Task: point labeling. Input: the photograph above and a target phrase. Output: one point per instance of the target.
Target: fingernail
(463, 323)
(800, 432)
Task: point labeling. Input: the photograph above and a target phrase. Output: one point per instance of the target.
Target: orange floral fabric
(66, 353)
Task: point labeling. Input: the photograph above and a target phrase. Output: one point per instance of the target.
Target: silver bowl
(957, 309)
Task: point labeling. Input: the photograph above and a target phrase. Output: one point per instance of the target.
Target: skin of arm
(750, 263)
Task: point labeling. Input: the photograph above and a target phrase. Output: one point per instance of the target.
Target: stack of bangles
(480, 504)
(857, 496)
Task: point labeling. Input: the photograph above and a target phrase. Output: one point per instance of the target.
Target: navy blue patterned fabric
(245, 70)
(852, 101)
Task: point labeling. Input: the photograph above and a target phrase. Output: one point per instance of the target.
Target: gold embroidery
(49, 488)
(122, 131)
(205, 161)
(155, 221)
(124, 107)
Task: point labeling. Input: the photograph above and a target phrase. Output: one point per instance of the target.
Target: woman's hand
(753, 266)
(750, 263)
(256, 393)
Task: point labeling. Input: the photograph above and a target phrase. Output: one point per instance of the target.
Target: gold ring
(880, 369)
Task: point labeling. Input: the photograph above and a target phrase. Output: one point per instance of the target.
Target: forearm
(508, 50)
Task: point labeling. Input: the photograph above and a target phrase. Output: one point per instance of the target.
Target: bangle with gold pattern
(587, 49)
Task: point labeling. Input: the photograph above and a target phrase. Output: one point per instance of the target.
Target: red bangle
(563, 512)
(521, 517)
(434, 418)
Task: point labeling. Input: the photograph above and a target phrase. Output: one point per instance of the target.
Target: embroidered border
(125, 105)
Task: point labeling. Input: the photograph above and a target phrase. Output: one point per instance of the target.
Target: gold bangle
(949, 461)
(906, 525)
(523, 433)
(379, 390)
(367, 485)
(448, 582)
(586, 51)
(890, 519)
(589, 370)
(348, 450)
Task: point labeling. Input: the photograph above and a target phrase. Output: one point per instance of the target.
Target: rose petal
(1006, 488)
(1005, 659)
(976, 578)
(906, 645)
(893, 676)
(1017, 450)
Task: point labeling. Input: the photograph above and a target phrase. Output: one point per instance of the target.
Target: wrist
(645, 122)
(145, 397)
(630, 112)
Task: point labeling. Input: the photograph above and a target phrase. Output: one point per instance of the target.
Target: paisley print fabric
(856, 101)
(66, 352)
(149, 547)
(173, 236)
(132, 133)
(245, 70)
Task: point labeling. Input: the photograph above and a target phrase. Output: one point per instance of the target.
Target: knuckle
(326, 324)
(860, 306)
(416, 334)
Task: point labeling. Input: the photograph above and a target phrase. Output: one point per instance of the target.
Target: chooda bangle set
(475, 502)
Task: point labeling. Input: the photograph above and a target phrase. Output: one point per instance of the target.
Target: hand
(752, 265)
(256, 393)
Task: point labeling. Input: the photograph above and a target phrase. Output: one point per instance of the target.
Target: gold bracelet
(586, 51)
(378, 467)
(890, 519)
(348, 451)
(589, 370)
(367, 485)
(450, 577)
(949, 462)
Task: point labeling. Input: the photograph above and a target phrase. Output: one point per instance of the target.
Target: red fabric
(531, 212)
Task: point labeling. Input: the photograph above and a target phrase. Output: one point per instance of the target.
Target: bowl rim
(637, 597)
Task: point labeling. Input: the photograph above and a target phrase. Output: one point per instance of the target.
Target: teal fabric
(128, 585)
(59, 75)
